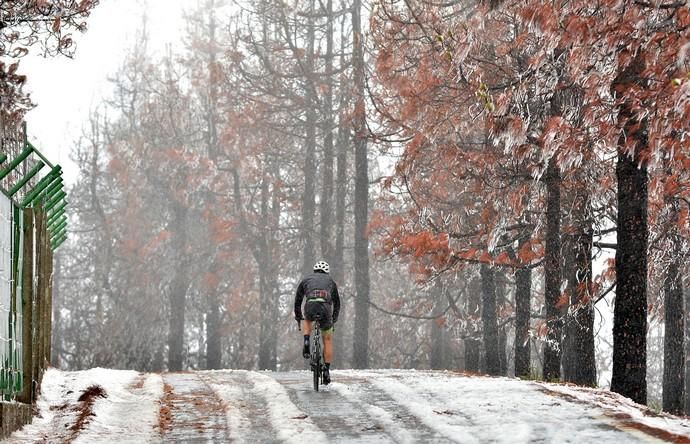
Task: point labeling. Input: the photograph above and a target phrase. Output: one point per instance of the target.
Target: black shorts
(319, 310)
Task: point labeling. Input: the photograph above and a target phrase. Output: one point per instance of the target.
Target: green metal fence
(27, 180)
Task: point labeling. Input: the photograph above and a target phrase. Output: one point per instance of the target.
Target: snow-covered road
(360, 406)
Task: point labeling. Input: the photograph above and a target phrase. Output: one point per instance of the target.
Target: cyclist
(322, 300)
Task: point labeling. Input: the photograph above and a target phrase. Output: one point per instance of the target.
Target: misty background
(212, 163)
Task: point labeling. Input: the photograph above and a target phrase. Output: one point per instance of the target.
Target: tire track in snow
(454, 426)
(195, 412)
(259, 409)
(346, 413)
(290, 421)
(339, 419)
(397, 421)
(245, 412)
(237, 408)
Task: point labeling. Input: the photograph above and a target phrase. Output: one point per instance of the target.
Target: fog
(215, 169)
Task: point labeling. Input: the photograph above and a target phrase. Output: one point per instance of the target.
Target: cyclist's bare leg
(327, 347)
(306, 327)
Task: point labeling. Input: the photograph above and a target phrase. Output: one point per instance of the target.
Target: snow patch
(452, 406)
(483, 409)
(126, 409)
(54, 391)
(614, 404)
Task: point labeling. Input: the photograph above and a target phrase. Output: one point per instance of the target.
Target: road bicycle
(316, 362)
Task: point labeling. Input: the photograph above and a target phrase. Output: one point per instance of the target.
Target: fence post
(26, 394)
(45, 276)
(49, 300)
(43, 286)
(38, 298)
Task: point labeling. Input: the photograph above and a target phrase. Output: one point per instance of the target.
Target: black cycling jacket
(317, 285)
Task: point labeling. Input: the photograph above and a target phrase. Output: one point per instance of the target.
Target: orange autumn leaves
(431, 252)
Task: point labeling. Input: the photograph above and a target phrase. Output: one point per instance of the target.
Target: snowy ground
(360, 406)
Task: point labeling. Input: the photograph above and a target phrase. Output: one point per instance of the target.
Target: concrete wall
(13, 416)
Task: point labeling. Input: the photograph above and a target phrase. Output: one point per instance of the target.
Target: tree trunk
(630, 312)
(523, 288)
(267, 333)
(343, 144)
(309, 171)
(360, 355)
(502, 346)
(268, 303)
(552, 274)
(472, 343)
(579, 364)
(569, 358)
(178, 291)
(272, 249)
(493, 361)
(502, 335)
(686, 311)
(213, 350)
(586, 371)
(674, 372)
(327, 128)
(472, 355)
(436, 354)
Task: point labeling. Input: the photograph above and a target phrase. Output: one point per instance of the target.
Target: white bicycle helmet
(321, 266)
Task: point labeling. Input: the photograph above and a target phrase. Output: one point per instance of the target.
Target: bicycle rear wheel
(316, 361)
(317, 377)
